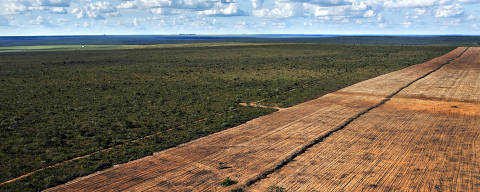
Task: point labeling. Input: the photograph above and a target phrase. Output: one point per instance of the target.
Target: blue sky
(117, 17)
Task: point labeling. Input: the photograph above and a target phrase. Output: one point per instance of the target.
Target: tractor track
(290, 158)
(299, 141)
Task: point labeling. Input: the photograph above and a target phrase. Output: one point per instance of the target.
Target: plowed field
(413, 129)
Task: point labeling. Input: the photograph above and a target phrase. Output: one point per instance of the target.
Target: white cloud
(257, 3)
(78, 13)
(223, 9)
(193, 14)
(58, 10)
(355, 10)
(369, 13)
(450, 22)
(424, 3)
(380, 18)
(327, 3)
(85, 24)
(40, 20)
(416, 13)
(173, 7)
(14, 7)
(165, 11)
(281, 9)
(260, 12)
(471, 17)
(135, 22)
(96, 10)
(406, 24)
(127, 5)
(359, 6)
(419, 11)
(178, 4)
(449, 11)
(410, 3)
(155, 3)
(8, 7)
(62, 20)
(317, 11)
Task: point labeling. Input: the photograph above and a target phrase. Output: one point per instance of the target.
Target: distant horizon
(404, 39)
(214, 17)
(245, 34)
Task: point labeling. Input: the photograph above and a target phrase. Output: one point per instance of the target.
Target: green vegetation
(58, 48)
(58, 105)
(275, 188)
(43, 48)
(228, 182)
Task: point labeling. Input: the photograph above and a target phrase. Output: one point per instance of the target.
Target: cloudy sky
(77, 17)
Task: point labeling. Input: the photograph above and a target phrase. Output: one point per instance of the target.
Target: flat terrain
(413, 129)
(69, 113)
(44, 48)
(267, 38)
(425, 138)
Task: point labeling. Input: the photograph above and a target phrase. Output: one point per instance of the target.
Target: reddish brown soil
(424, 138)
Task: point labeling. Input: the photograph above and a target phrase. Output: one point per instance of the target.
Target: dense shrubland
(55, 106)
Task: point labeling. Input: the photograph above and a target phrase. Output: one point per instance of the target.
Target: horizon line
(244, 34)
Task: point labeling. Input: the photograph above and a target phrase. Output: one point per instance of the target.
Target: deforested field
(66, 114)
(413, 129)
(424, 139)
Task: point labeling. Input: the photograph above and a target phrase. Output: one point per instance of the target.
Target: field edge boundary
(319, 139)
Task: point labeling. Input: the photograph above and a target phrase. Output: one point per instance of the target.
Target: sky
(156, 17)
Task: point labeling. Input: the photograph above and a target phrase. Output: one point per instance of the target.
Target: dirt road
(414, 129)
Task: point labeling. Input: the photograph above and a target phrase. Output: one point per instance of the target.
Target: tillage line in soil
(290, 158)
(99, 151)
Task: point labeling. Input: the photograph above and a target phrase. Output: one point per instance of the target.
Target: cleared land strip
(343, 125)
(254, 148)
(407, 144)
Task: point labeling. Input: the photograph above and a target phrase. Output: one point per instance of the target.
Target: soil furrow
(343, 125)
(259, 146)
(396, 147)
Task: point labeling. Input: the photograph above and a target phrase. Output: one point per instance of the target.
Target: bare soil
(423, 138)
(256, 104)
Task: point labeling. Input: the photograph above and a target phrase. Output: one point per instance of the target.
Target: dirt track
(423, 138)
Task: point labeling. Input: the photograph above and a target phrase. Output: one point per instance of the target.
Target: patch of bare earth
(423, 139)
(407, 143)
(256, 104)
